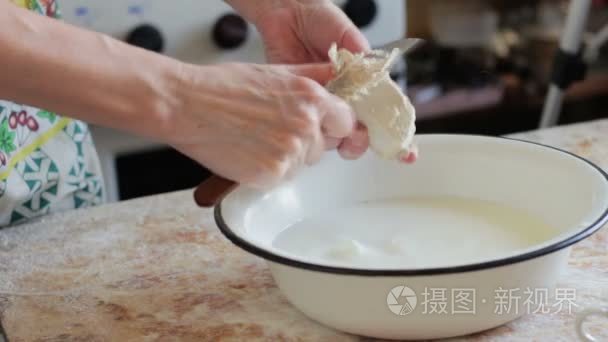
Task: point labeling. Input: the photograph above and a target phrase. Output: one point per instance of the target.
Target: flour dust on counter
(2, 334)
(413, 233)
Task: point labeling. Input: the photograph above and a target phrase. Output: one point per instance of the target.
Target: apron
(48, 163)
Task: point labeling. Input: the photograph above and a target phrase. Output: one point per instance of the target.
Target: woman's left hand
(297, 32)
(301, 32)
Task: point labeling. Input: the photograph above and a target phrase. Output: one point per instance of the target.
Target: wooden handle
(211, 191)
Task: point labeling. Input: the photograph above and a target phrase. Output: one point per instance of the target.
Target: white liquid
(413, 233)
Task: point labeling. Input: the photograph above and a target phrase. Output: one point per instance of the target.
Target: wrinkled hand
(299, 32)
(258, 124)
(296, 32)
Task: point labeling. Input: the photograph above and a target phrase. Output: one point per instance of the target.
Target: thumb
(319, 72)
(354, 41)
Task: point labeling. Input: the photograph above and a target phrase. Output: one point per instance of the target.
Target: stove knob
(230, 31)
(147, 37)
(361, 12)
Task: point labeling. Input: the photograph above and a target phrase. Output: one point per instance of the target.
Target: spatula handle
(211, 191)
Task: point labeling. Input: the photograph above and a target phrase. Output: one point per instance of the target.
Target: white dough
(364, 82)
(345, 250)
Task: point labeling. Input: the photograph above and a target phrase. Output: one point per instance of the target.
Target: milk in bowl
(413, 233)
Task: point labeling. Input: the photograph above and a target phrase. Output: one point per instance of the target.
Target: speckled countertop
(157, 269)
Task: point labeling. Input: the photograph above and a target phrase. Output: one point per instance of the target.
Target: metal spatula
(211, 191)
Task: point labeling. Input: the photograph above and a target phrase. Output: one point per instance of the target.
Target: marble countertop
(158, 269)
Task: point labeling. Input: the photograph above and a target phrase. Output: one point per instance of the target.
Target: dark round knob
(147, 37)
(230, 31)
(361, 12)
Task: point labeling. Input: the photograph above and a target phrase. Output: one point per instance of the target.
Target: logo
(401, 300)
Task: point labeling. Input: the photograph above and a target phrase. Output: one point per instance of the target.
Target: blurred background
(488, 68)
(485, 69)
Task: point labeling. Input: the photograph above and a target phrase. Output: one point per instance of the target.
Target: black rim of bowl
(567, 242)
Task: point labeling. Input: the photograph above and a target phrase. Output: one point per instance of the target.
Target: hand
(296, 32)
(255, 124)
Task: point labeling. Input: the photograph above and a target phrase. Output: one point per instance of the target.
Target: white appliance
(201, 32)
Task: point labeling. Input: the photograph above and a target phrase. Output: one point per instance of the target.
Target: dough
(364, 82)
(345, 250)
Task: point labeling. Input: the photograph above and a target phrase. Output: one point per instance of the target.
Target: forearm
(82, 74)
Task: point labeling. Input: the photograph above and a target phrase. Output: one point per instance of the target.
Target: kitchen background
(485, 69)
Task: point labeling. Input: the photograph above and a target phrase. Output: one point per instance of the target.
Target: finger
(319, 72)
(356, 145)
(338, 118)
(354, 41)
(332, 143)
(316, 148)
(411, 157)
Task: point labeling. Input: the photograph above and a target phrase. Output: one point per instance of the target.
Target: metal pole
(595, 44)
(571, 40)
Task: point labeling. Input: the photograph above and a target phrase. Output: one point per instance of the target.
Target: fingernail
(408, 158)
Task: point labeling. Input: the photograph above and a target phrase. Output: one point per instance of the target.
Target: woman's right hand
(258, 124)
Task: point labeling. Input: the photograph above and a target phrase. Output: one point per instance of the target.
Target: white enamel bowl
(568, 192)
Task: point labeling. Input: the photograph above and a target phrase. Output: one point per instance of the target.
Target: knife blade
(405, 45)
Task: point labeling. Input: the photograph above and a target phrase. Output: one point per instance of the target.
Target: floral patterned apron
(48, 163)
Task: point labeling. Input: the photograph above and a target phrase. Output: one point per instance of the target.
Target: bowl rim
(505, 261)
